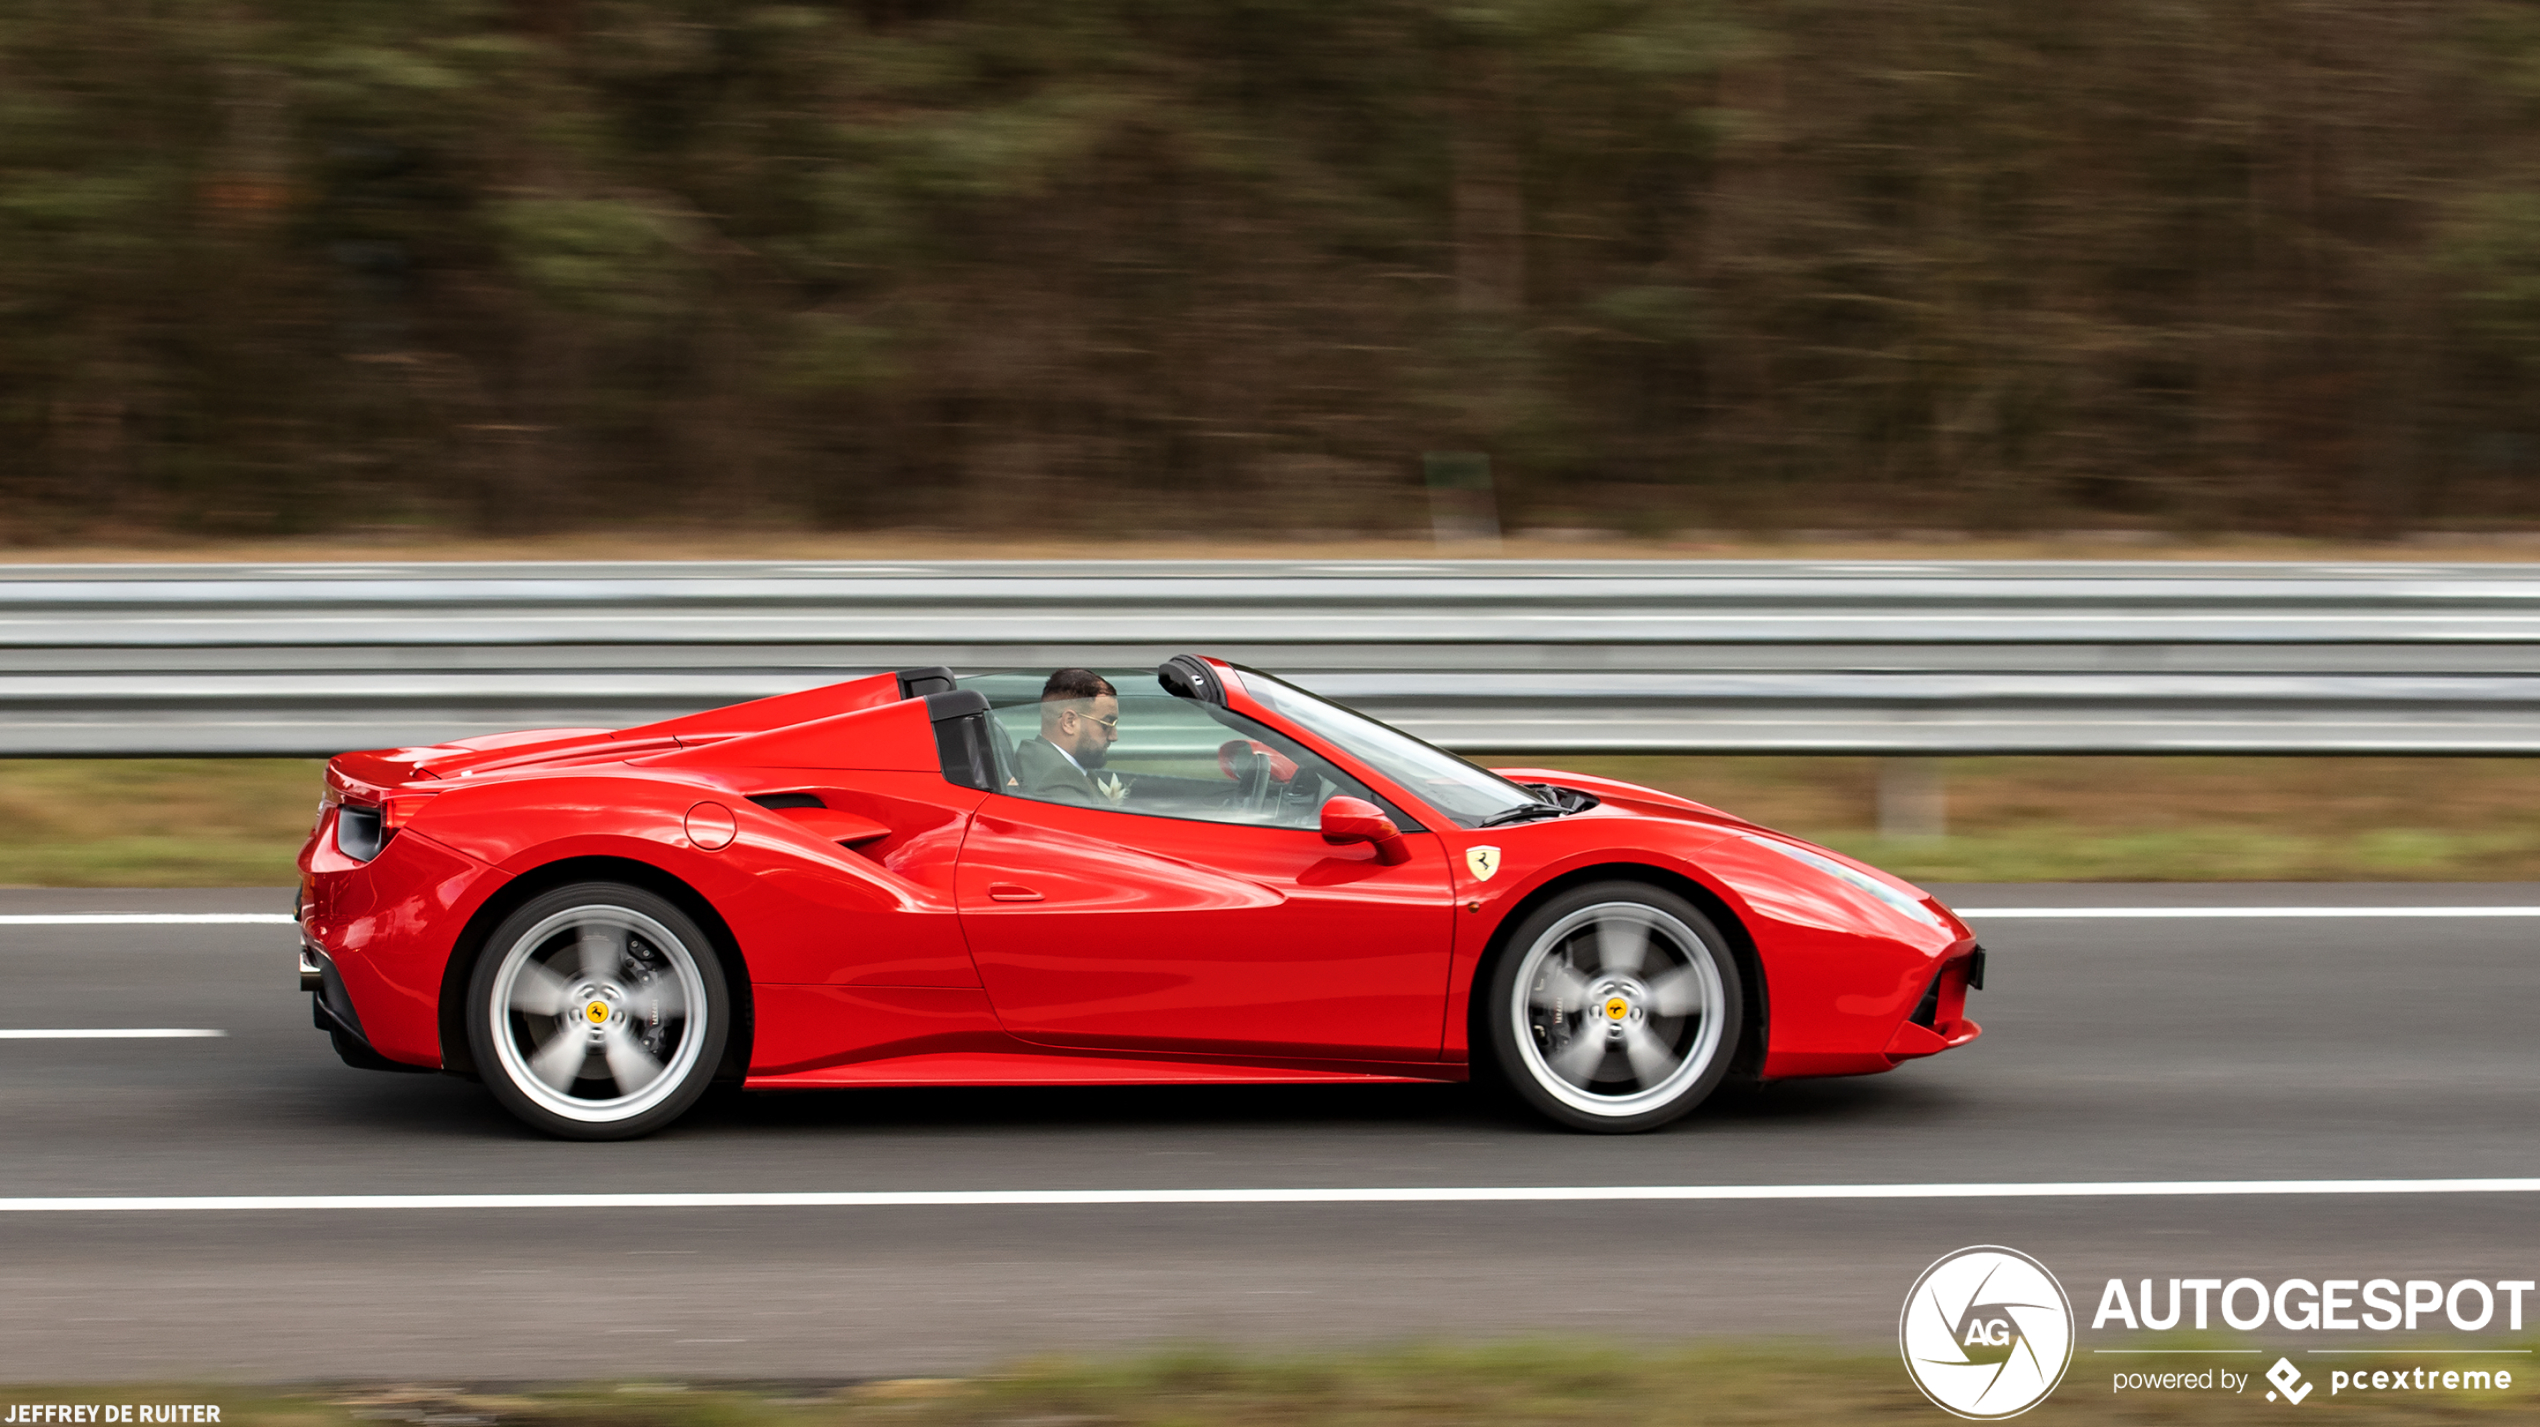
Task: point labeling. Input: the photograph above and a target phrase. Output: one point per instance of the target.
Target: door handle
(1011, 892)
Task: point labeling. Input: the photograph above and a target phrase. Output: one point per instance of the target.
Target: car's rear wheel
(598, 1012)
(1614, 1007)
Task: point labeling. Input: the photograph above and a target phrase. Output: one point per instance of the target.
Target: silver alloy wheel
(1618, 1007)
(600, 1010)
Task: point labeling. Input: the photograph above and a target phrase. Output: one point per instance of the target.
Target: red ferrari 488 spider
(1199, 873)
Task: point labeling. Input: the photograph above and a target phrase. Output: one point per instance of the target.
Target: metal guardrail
(1743, 656)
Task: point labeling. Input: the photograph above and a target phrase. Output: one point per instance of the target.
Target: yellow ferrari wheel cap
(1616, 1008)
(597, 1013)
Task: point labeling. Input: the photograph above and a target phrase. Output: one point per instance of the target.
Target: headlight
(1851, 876)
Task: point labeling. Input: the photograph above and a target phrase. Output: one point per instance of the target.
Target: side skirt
(1058, 1068)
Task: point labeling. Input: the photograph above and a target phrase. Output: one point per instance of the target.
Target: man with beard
(1080, 716)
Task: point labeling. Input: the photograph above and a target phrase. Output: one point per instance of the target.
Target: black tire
(1566, 980)
(625, 974)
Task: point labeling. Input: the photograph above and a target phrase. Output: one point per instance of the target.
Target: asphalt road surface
(2196, 1049)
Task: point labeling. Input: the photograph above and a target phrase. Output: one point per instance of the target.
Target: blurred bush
(270, 266)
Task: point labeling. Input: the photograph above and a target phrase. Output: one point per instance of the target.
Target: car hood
(1632, 797)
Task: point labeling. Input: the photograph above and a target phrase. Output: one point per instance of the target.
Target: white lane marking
(2178, 913)
(145, 919)
(115, 1033)
(1441, 1194)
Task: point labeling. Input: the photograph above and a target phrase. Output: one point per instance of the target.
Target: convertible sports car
(1194, 874)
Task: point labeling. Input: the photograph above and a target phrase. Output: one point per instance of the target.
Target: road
(2115, 1050)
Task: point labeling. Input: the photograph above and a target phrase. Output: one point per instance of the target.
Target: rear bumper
(331, 1008)
(387, 926)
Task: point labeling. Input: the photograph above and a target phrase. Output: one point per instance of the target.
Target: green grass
(154, 822)
(1501, 1385)
(239, 822)
(2165, 819)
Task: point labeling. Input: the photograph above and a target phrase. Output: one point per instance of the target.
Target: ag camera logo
(1987, 1333)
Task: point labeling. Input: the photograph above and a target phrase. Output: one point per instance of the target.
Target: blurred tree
(1230, 265)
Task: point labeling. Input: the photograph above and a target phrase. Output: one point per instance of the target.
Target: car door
(1200, 910)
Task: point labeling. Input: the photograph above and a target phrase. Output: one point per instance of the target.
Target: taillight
(400, 809)
(358, 832)
(362, 829)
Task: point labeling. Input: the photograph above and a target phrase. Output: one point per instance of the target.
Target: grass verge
(2146, 819)
(154, 822)
(239, 822)
(1506, 1385)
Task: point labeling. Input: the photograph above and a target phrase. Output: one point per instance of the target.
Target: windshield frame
(1335, 736)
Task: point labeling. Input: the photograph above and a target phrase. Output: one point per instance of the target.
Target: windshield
(1449, 784)
(1140, 750)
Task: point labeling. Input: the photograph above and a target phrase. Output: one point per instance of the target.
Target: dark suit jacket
(1046, 774)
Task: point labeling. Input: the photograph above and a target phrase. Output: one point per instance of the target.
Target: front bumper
(1940, 1022)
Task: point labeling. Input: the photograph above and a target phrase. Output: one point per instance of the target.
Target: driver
(1080, 716)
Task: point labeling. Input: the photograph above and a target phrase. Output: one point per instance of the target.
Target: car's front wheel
(1614, 1007)
(598, 1012)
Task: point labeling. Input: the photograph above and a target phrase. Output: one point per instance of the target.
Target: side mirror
(1348, 820)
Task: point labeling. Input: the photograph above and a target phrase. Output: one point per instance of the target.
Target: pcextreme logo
(1986, 1333)
(2288, 1380)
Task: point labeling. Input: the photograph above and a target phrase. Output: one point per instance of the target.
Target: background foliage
(1231, 265)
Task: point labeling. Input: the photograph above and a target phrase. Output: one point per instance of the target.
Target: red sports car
(1198, 873)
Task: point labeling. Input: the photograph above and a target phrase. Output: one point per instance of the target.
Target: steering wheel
(1261, 774)
(1258, 782)
(1231, 752)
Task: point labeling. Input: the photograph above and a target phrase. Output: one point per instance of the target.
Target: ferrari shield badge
(1483, 860)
